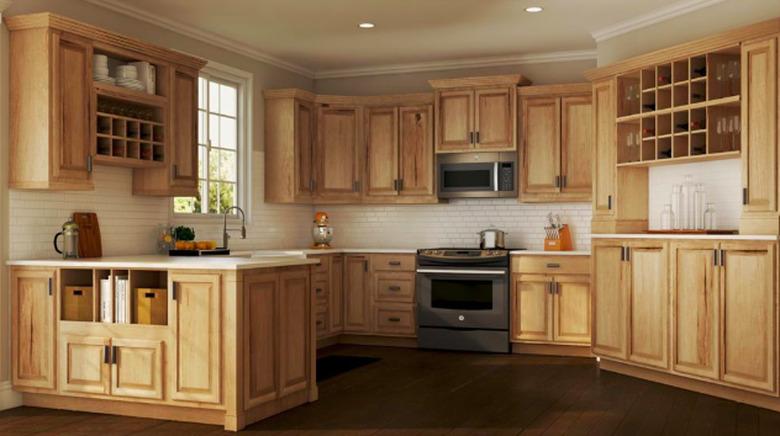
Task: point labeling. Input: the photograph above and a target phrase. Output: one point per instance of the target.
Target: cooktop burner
(455, 255)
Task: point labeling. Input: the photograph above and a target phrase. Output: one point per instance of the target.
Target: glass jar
(667, 217)
(677, 207)
(710, 217)
(699, 201)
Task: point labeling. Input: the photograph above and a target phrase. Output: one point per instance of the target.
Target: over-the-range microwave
(477, 175)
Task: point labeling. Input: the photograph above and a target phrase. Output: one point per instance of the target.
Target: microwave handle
(495, 176)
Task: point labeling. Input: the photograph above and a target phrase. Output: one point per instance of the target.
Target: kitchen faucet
(225, 229)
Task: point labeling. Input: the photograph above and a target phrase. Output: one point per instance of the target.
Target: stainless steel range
(463, 299)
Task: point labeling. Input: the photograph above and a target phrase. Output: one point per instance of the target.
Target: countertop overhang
(684, 236)
(158, 261)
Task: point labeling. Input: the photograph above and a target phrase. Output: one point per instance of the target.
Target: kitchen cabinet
(393, 300)
(749, 314)
(556, 143)
(696, 308)
(294, 312)
(290, 136)
(550, 300)
(357, 297)
(399, 152)
(476, 114)
(648, 304)
(57, 132)
(604, 149)
(610, 300)
(137, 368)
(759, 136)
(336, 309)
(33, 327)
(84, 364)
(196, 317)
(338, 154)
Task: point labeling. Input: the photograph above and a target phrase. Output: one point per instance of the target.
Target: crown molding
(4, 4)
(657, 16)
(208, 37)
(497, 61)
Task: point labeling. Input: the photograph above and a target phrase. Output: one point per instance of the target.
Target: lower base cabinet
(714, 319)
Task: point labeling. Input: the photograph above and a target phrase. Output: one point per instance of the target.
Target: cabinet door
(494, 119)
(541, 145)
(416, 166)
(337, 153)
(336, 308)
(184, 148)
(576, 149)
(381, 126)
(137, 368)
(71, 114)
(304, 149)
(695, 310)
(196, 311)
(294, 330)
(609, 301)
(84, 363)
(356, 294)
(604, 148)
(571, 309)
(261, 308)
(748, 315)
(455, 120)
(533, 308)
(32, 327)
(648, 264)
(759, 125)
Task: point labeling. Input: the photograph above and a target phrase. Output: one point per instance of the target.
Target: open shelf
(91, 296)
(681, 160)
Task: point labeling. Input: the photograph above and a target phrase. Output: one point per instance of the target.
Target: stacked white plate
(133, 84)
(100, 69)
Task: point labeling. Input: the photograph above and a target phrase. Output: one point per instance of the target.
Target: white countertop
(158, 261)
(684, 236)
(549, 253)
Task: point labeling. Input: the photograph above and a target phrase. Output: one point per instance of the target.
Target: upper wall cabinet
(555, 143)
(63, 122)
(476, 114)
(338, 153)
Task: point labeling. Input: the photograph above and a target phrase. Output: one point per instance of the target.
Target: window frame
(244, 151)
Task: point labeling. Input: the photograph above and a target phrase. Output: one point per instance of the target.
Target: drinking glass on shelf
(733, 74)
(720, 130)
(737, 129)
(667, 217)
(720, 77)
(710, 217)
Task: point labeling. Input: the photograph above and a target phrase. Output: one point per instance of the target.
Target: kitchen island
(227, 341)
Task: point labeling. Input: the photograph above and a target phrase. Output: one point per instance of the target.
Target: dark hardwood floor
(414, 392)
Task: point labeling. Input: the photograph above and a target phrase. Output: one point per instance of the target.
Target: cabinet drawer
(323, 266)
(321, 321)
(394, 319)
(551, 264)
(394, 286)
(393, 262)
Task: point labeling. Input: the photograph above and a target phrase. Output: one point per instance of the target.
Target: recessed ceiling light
(366, 25)
(534, 9)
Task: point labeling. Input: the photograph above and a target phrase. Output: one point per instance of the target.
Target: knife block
(563, 243)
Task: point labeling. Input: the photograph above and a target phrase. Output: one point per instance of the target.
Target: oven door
(463, 298)
(468, 179)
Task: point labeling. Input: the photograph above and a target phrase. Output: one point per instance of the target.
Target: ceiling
(319, 37)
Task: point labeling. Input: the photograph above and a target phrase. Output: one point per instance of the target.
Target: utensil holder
(561, 243)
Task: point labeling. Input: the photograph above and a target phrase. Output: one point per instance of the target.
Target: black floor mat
(333, 365)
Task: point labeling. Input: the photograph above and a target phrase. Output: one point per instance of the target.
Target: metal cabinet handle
(471, 137)
(744, 196)
(175, 171)
(365, 265)
(548, 286)
(395, 185)
(114, 355)
(715, 257)
(557, 181)
(722, 257)
(609, 202)
(50, 285)
(563, 181)
(394, 263)
(400, 184)
(553, 265)
(394, 288)
(89, 163)
(106, 354)
(394, 319)
(477, 141)
(557, 288)
(628, 254)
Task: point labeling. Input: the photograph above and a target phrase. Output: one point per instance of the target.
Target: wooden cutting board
(90, 244)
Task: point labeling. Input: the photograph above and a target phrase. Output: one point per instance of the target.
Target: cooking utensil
(492, 238)
(89, 243)
(70, 235)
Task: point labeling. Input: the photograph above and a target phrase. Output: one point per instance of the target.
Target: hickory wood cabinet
(238, 346)
(476, 114)
(338, 153)
(58, 132)
(550, 300)
(692, 308)
(555, 134)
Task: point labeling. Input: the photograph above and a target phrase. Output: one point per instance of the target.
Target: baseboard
(553, 350)
(8, 397)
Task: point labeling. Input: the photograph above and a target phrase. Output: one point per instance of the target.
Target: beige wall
(539, 74)
(704, 22)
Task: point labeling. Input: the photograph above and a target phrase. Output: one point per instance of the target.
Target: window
(222, 148)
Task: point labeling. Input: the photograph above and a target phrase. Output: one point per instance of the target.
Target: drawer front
(394, 287)
(323, 266)
(319, 288)
(321, 321)
(551, 264)
(394, 319)
(393, 262)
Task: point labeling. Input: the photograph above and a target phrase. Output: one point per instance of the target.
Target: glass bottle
(687, 202)
(710, 217)
(676, 207)
(667, 217)
(700, 197)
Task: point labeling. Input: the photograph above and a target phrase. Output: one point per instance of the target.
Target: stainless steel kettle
(70, 235)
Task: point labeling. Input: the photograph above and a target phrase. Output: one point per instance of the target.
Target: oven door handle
(483, 272)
